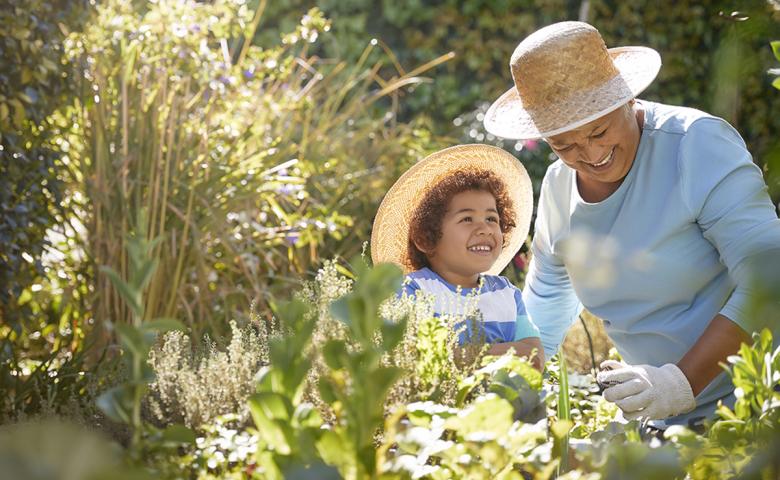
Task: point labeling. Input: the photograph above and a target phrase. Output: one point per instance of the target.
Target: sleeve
(524, 327)
(725, 192)
(548, 295)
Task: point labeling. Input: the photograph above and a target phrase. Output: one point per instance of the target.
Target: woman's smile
(604, 164)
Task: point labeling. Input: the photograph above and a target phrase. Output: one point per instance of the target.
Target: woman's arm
(701, 364)
(548, 295)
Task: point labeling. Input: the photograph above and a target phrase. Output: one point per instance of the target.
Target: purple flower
(249, 74)
(285, 189)
(292, 237)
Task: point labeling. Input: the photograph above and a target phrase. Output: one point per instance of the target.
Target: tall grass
(249, 160)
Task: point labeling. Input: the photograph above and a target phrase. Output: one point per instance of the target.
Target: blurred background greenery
(259, 137)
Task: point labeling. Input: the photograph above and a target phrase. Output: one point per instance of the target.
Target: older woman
(648, 219)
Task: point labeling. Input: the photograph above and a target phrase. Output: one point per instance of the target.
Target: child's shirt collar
(428, 273)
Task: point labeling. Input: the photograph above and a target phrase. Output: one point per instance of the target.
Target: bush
(196, 387)
(712, 60)
(252, 162)
(33, 84)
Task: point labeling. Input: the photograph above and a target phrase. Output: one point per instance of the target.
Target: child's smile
(471, 238)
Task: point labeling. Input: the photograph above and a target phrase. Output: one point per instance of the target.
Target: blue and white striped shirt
(499, 304)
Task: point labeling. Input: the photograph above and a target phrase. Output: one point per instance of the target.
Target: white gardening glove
(645, 391)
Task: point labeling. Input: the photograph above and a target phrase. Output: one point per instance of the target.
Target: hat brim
(390, 234)
(637, 67)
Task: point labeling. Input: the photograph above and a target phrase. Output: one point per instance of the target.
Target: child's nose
(483, 228)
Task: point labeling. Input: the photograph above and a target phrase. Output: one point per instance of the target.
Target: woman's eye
(564, 149)
(599, 135)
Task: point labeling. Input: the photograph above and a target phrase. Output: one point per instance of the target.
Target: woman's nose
(591, 154)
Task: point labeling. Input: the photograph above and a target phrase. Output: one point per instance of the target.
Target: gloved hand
(646, 391)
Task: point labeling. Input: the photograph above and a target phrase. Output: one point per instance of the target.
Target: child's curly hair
(425, 225)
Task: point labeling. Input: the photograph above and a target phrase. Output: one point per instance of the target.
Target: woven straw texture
(566, 77)
(390, 235)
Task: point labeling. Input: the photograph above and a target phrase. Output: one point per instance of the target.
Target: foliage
(195, 386)
(499, 432)
(61, 383)
(751, 427)
(40, 314)
(729, 82)
(355, 385)
(122, 403)
(252, 162)
(358, 383)
(55, 449)
(31, 87)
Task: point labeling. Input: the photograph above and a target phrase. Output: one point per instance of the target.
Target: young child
(452, 222)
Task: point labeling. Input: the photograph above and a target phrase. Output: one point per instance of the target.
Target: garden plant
(186, 189)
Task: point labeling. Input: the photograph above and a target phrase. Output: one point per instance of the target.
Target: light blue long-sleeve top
(662, 255)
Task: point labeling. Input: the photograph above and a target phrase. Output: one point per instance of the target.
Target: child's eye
(465, 219)
(492, 219)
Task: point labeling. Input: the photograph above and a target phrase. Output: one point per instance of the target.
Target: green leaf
(561, 428)
(489, 417)
(133, 339)
(178, 434)
(117, 403)
(335, 450)
(162, 325)
(392, 334)
(334, 353)
(128, 293)
(142, 276)
(776, 48)
(266, 409)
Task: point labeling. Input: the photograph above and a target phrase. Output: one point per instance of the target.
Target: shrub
(194, 387)
(713, 60)
(252, 162)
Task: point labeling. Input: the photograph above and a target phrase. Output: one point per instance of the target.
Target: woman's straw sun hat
(390, 235)
(566, 77)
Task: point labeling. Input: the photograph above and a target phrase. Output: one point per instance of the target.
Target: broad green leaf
(128, 294)
(561, 428)
(334, 353)
(489, 417)
(776, 48)
(178, 434)
(336, 450)
(142, 276)
(133, 339)
(392, 334)
(306, 415)
(162, 325)
(327, 392)
(273, 405)
(117, 403)
(265, 408)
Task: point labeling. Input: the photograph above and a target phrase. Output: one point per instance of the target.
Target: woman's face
(603, 150)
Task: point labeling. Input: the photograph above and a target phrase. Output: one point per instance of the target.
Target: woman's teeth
(480, 248)
(605, 161)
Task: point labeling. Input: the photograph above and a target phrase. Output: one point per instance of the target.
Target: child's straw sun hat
(390, 235)
(566, 77)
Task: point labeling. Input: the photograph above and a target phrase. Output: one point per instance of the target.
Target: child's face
(471, 238)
